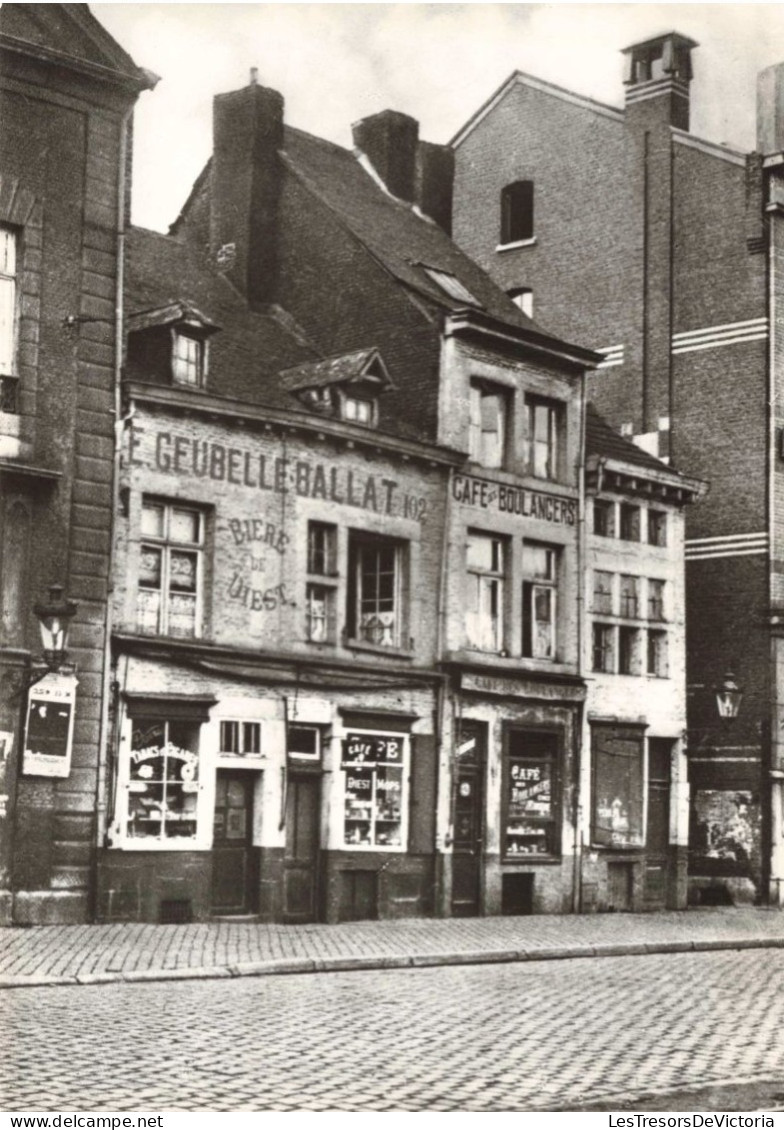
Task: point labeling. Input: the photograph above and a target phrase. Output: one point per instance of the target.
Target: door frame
(478, 729)
(248, 777)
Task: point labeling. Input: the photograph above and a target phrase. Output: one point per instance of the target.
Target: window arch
(517, 211)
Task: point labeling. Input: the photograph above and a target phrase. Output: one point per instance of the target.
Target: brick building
(66, 94)
(660, 250)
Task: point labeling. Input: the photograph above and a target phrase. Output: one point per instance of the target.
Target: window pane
(229, 737)
(319, 613)
(484, 553)
(182, 571)
(7, 314)
(7, 251)
(544, 601)
(182, 615)
(184, 526)
(152, 520)
(537, 561)
(602, 591)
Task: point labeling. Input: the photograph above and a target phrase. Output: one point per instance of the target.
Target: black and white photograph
(392, 561)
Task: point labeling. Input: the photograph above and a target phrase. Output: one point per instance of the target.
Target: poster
(49, 727)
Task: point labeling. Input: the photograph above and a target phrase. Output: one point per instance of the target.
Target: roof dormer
(345, 387)
(169, 345)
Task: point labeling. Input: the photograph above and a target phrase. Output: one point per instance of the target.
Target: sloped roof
(334, 370)
(400, 238)
(601, 439)
(70, 32)
(252, 347)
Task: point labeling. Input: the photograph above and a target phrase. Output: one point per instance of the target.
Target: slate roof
(331, 371)
(251, 347)
(603, 440)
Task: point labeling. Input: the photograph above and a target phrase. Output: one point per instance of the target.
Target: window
(523, 298)
(628, 650)
(657, 527)
(8, 248)
(163, 781)
(617, 759)
(374, 769)
(630, 522)
(630, 597)
(517, 212)
(303, 743)
(358, 409)
(657, 654)
(603, 518)
(485, 592)
(540, 564)
(487, 424)
(321, 596)
(239, 737)
(168, 596)
(450, 285)
(603, 658)
(544, 419)
(374, 590)
(188, 360)
(602, 592)
(655, 600)
(530, 814)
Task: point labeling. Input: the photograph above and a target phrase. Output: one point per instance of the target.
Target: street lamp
(55, 619)
(728, 698)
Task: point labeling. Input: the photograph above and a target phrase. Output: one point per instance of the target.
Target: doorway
(301, 856)
(233, 855)
(469, 821)
(657, 825)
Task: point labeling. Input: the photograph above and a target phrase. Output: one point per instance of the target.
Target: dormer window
(358, 409)
(347, 386)
(188, 359)
(450, 284)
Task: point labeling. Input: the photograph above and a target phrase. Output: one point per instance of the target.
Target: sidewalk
(71, 955)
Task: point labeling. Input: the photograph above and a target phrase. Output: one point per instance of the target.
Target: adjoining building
(67, 91)
(660, 250)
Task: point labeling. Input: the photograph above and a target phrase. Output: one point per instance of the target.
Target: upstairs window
(540, 568)
(485, 592)
(523, 298)
(603, 518)
(655, 599)
(630, 597)
(517, 212)
(544, 426)
(169, 591)
(630, 522)
(487, 424)
(8, 249)
(374, 590)
(321, 587)
(657, 527)
(602, 592)
(358, 409)
(188, 360)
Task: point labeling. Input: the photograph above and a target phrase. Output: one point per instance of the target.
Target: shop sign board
(49, 726)
(504, 498)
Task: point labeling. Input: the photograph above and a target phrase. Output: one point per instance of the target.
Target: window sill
(517, 243)
(378, 649)
(527, 860)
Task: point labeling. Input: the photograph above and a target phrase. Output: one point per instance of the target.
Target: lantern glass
(728, 697)
(54, 620)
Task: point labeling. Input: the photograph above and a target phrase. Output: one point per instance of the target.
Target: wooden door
(232, 847)
(301, 857)
(469, 823)
(657, 826)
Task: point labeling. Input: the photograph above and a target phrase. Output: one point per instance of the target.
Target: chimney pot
(254, 76)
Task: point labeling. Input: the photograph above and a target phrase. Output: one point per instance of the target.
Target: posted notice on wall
(49, 729)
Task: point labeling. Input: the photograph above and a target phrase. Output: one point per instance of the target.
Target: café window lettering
(530, 823)
(162, 785)
(617, 757)
(374, 768)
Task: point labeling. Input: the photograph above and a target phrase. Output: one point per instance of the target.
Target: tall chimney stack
(657, 78)
(435, 181)
(389, 141)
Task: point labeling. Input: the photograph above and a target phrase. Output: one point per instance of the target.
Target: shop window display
(163, 781)
(374, 768)
(530, 801)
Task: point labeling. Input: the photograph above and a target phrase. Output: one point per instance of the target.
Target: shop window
(374, 769)
(544, 419)
(485, 592)
(523, 298)
(188, 359)
(517, 212)
(170, 566)
(628, 651)
(655, 599)
(540, 573)
(240, 737)
(604, 518)
(657, 654)
(617, 759)
(162, 784)
(630, 522)
(374, 613)
(530, 812)
(487, 424)
(657, 527)
(603, 651)
(630, 597)
(8, 289)
(602, 592)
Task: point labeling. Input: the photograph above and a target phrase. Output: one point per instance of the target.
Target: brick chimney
(770, 110)
(657, 78)
(435, 178)
(389, 141)
(247, 130)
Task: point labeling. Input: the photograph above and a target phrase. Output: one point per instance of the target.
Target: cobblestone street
(483, 1038)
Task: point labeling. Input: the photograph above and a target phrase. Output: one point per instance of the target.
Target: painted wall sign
(239, 466)
(49, 728)
(514, 500)
(520, 688)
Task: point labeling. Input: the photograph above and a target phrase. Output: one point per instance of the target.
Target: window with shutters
(485, 562)
(488, 406)
(517, 212)
(169, 592)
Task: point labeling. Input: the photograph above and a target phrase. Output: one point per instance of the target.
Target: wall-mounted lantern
(55, 620)
(728, 698)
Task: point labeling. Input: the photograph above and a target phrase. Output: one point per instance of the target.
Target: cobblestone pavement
(46, 954)
(473, 1038)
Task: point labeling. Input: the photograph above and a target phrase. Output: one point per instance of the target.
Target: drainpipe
(579, 719)
(104, 731)
(442, 693)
